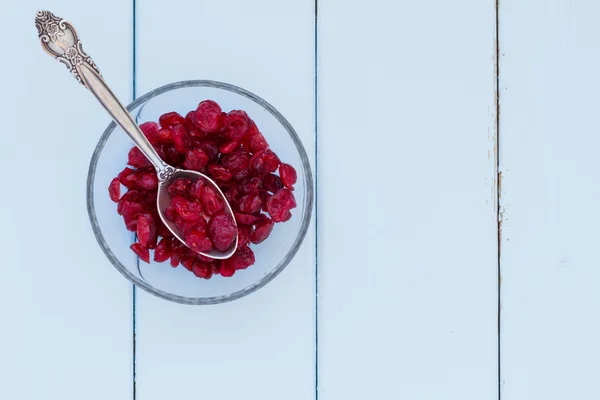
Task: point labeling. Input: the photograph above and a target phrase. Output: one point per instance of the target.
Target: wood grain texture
(550, 58)
(66, 312)
(407, 213)
(261, 346)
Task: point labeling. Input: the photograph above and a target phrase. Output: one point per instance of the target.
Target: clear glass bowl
(179, 284)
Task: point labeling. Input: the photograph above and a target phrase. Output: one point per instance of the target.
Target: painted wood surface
(397, 101)
(407, 259)
(66, 328)
(261, 346)
(550, 58)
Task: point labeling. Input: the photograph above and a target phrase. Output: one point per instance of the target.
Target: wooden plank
(66, 312)
(407, 213)
(261, 346)
(550, 58)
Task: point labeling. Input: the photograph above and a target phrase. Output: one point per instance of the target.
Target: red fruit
(146, 229)
(114, 190)
(210, 147)
(251, 203)
(246, 219)
(286, 217)
(163, 250)
(265, 161)
(195, 190)
(170, 213)
(150, 130)
(219, 173)
(181, 139)
(170, 119)
(242, 258)
(255, 141)
(164, 136)
(185, 227)
(237, 161)
(262, 231)
(188, 262)
(244, 233)
(251, 186)
(130, 210)
(204, 258)
(238, 123)
(196, 160)
(198, 241)
(241, 175)
(222, 231)
(135, 158)
(187, 210)
(288, 175)
(209, 117)
(227, 269)
(175, 258)
(146, 180)
(202, 269)
(229, 147)
(141, 252)
(180, 186)
(272, 183)
(280, 204)
(211, 201)
(123, 177)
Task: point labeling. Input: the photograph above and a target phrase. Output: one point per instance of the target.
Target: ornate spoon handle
(59, 38)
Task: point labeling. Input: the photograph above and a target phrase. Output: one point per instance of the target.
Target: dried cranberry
(114, 190)
(288, 176)
(222, 231)
(251, 203)
(181, 139)
(210, 147)
(265, 162)
(175, 258)
(219, 173)
(242, 175)
(141, 252)
(272, 183)
(244, 233)
(164, 136)
(229, 147)
(246, 219)
(150, 130)
(188, 262)
(146, 180)
(198, 241)
(195, 190)
(135, 158)
(255, 141)
(196, 160)
(211, 201)
(163, 250)
(202, 269)
(238, 123)
(280, 204)
(170, 119)
(242, 258)
(124, 178)
(188, 210)
(262, 231)
(146, 229)
(209, 117)
(180, 186)
(227, 269)
(251, 186)
(236, 161)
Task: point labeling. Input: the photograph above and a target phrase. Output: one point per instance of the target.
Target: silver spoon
(60, 40)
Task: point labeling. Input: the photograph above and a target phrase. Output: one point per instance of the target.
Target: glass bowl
(179, 284)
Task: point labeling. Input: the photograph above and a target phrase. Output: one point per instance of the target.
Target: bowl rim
(306, 217)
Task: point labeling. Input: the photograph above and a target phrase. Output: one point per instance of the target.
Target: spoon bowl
(164, 200)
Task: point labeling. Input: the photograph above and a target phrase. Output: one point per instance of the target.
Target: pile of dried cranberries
(229, 148)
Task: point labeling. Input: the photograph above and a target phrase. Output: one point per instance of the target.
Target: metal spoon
(60, 40)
